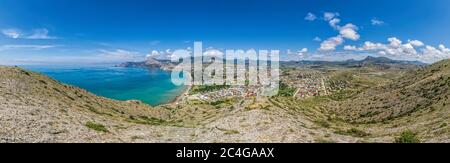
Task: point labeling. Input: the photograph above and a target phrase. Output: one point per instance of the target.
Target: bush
(96, 126)
(208, 88)
(353, 132)
(322, 123)
(357, 133)
(285, 90)
(407, 137)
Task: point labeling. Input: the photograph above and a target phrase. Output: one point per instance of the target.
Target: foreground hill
(35, 108)
(425, 89)
(417, 101)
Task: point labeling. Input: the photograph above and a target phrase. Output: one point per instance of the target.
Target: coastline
(180, 97)
(176, 96)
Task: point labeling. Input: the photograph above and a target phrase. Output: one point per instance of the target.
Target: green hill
(425, 89)
(35, 108)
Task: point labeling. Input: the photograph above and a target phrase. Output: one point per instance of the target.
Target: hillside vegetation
(426, 90)
(363, 105)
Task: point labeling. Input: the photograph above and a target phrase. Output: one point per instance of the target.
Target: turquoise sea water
(153, 86)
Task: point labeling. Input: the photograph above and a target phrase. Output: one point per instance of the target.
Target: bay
(151, 86)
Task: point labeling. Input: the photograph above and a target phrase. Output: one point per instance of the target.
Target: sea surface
(152, 86)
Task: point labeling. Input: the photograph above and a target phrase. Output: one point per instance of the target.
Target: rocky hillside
(426, 89)
(35, 108)
(150, 63)
(418, 101)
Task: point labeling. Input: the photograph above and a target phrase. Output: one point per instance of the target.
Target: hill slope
(418, 101)
(428, 88)
(35, 108)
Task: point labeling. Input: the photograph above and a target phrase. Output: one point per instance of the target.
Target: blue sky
(92, 31)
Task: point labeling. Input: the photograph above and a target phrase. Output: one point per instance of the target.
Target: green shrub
(322, 123)
(353, 132)
(96, 126)
(208, 88)
(285, 90)
(149, 121)
(407, 137)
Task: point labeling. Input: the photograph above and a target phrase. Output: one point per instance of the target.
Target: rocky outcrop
(150, 63)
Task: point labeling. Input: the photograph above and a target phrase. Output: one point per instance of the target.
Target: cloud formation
(310, 17)
(348, 31)
(35, 34)
(397, 49)
(318, 39)
(41, 34)
(377, 22)
(29, 47)
(331, 43)
(328, 16)
(12, 33)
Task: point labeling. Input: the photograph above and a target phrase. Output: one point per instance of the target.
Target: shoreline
(180, 97)
(180, 94)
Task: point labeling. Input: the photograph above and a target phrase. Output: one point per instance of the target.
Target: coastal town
(302, 84)
(306, 83)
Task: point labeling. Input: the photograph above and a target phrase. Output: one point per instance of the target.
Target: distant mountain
(379, 62)
(150, 63)
(384, 60)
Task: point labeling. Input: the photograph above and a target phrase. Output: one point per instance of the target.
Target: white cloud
(416, 43)
(168, 53)
(30, 47)
(348, 47)
(213, 53)
(444, 49)
(331, 43)
(376, 21)
(333, 22)
(152, 54)
(349, 32)
(327, 16)
(395, 42)
(40, 34)
(310, 17)
(411, 50)
(12, 33)
(372, 46)
(302, 52)
(294, 55)
(382, 53)
(318, 39)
